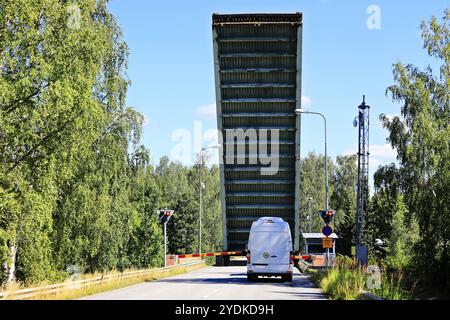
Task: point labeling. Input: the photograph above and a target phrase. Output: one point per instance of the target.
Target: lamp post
(299, 112)
(308, 218)
(201, 186)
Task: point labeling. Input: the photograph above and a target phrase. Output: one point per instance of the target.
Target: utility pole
(363, 168)
(201, 186)
(165, 244)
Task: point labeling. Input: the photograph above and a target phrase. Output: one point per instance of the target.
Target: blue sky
(171, 64)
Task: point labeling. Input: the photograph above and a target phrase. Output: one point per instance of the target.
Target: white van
(269, 249)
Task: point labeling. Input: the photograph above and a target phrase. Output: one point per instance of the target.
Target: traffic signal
(165, 215)
(327, 215)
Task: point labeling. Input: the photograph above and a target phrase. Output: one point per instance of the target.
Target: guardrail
(79, 284)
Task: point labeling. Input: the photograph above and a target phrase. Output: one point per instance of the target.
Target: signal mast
(362, 122)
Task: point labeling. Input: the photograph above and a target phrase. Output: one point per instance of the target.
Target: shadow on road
(303, 295)
(234, 278)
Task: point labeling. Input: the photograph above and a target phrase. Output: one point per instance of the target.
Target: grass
(340, 284)
(75, 293)
(347, 282)
(392, 289)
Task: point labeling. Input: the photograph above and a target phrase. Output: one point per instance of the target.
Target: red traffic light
(165, 215)
(327, 215)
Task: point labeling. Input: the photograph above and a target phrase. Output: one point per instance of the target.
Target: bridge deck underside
(258, 89)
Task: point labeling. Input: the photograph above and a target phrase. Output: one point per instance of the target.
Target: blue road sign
(327, 231)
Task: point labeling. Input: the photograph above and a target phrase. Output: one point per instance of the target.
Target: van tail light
(291, 256)
(248, 256)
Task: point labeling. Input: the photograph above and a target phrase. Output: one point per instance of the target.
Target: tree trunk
(10, 264)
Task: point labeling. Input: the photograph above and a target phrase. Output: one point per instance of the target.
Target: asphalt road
(216, 283)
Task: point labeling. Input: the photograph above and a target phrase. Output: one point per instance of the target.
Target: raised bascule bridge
(257, 60)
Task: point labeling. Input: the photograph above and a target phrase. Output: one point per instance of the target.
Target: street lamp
(301, 111)
(308, 218)
(201, 186)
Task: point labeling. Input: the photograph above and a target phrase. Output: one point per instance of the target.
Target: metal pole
(165, 246)
(200, 214)
(326, 174)
(201, 195)
(326, 180)
(326, 170)
(326, 154)
(326, 164)
(363, 157)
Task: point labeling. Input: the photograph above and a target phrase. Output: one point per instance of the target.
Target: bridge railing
(30, 293)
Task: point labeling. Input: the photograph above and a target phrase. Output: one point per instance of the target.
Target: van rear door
(260, 246)
(280, 247)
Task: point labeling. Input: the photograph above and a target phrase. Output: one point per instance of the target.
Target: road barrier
(228, 253)
(30, 293)
(302, 257)
(210, 254)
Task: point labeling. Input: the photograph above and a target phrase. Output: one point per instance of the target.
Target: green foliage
(76, 186)
(343, 200)
(421, 137)
(402, 238)
(382, 208)
(312, 191)
(342, 196)
(183, 197)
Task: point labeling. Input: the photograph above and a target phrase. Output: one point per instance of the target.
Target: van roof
(270, 220)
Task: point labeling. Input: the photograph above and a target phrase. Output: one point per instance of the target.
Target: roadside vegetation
(347, 281)
(78, 188)
(69, 293)
(409, 210)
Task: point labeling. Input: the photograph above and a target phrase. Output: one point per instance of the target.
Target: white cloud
(350, 152)
(379, 154)
(384, 151)
(207, 111)
(146, 121)
(306, 101)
